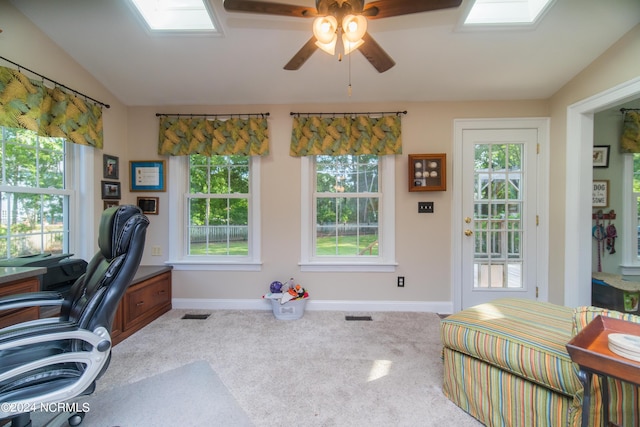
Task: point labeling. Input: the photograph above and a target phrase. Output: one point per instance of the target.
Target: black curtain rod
(56, 83)
(349, 114)
(624, 110)
(213, 115)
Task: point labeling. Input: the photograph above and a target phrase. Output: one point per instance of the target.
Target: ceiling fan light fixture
(350, 46)
(330, 47)
(354, 27)
(324, 29)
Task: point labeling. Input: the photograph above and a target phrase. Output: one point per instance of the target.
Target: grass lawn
(326, 246)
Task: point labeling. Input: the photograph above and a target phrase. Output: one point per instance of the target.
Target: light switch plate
(425, 207)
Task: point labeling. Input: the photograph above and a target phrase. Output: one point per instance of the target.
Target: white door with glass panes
(498, 231)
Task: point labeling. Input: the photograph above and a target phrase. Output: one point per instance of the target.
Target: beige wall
(617, 65)
(423, 241)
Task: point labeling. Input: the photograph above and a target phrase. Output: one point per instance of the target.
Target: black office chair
(53, 360)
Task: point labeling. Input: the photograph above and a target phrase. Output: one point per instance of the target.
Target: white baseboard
(441, 307)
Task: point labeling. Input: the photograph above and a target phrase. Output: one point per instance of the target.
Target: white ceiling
(435, 60)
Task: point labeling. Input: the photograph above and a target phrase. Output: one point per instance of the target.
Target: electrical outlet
(425, 207)
(401, 281)
(156, 251)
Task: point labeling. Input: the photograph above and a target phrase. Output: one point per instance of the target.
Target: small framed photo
(600, 194)
(601, 156)
(149, 205)
(110, 167)
(148, 175)
(110, 203)
(111, 190)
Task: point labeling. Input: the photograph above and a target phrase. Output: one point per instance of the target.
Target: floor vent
(367, 318)
(196, 316)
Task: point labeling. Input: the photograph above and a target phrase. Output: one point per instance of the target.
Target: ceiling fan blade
(387, 8)
(302, 55)
(376, 54)
(269, 8)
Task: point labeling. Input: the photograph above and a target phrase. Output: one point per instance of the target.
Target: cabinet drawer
(11, 317)
(145, 298)
(26, 286)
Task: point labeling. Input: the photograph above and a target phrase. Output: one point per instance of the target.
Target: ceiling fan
(345, 19)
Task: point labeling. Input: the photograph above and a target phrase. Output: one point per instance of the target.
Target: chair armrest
(93, 358)
(31, 299)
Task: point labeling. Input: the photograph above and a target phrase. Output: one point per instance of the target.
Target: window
(35, 198)
(631, 220)
(177, 15)
(348, 213)
(219, 225)
(218, 205)
(489, 12)
(636, 204)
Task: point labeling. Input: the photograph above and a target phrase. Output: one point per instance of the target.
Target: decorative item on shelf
(427, 172)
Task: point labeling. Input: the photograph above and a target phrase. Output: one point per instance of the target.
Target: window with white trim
(35, 194)
(219, 222)
(348, 213)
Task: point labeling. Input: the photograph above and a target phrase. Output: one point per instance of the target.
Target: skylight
(497, 12)
(176, 15)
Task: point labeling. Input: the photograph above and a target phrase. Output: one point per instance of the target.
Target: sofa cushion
(526, 338)
(585, 314)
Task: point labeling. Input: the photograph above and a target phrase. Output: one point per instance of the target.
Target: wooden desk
(590, 350)
(19, 280)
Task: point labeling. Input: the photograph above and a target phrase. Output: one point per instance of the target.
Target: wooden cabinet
(11, 317)
(145, 300)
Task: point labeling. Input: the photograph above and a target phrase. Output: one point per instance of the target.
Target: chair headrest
(116, 226)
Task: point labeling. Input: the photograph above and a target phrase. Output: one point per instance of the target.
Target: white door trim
(542, 124)
(579, 174)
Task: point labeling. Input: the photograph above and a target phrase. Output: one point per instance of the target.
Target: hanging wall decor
(427, 172)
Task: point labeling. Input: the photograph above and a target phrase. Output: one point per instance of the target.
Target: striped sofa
(506, 364)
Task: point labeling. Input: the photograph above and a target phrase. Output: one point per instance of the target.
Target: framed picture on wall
(149, 205)
(111, 190)
(601, 156)
(110, 166)
(148, 175)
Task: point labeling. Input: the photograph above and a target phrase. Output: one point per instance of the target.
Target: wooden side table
(590, 350)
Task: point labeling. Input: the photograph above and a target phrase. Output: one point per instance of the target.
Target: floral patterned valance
(28, 104)
(336, 136)
(181, 136)
(630, 141)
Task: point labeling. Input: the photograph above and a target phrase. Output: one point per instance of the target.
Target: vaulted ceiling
(435, 59)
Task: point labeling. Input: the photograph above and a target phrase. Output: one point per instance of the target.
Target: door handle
(468, 232)
(467, 220)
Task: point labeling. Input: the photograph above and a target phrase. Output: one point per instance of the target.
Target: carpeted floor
(320, 370)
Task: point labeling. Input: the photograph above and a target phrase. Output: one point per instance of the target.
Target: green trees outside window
(347, 205)
(218, 205)
(34, 199)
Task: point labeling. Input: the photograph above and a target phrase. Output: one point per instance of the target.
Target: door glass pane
(497, 216)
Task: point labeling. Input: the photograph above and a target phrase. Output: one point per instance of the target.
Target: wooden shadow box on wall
(427, 172)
